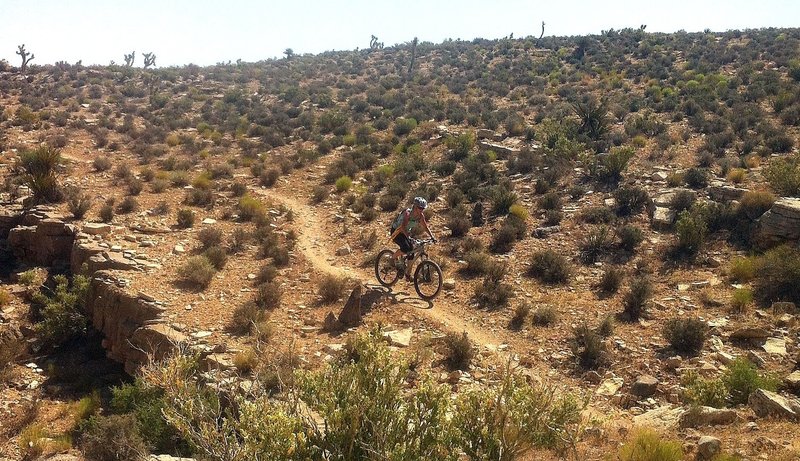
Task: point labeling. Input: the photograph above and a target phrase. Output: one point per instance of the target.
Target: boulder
(544, 232)
(610, 386)
(775, 346)
(721, 192)
(749, 333)
(706, 416)
(93, 228)
(662, 218)
(399, 338)
(499, 149)
(793, 381)
(645, 386)
(766, 403)
(708, 447)
(351, 313)
(782, 221)
(664, 416)
(449, 284)
(343, 251)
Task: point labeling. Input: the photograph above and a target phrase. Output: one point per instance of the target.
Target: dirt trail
(310, 243)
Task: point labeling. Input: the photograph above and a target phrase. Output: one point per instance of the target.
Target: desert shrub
(690, 230)
(606, 326)
(544, 316)
(62, 312)
(268, 295)
(330, 288)
(701, 391)
(144, 402)
(596, 215)
(742, 378)
(459, 351)
(343, 184)
(389, 202)
(107, 212)
(637, 297)
(492, 293)
(736, 175)
(239, 188)
(135, 185)
(113, 438)
(609, 168)
(217, 256)
(502, 200)
(280, 256)
(521, 313)
(78, 203)
(777, 275)
(250, 208)
(682, 200)
(783, 174)
(102, 163)
(550, 201)
(611, 280)
(238, 240)
(588, 348)
(519, 211)
(686, 335)
(741, 299)
(38, 169)
(549, 267)
(245, 317)
(404, 126)
(630, 200)
(742, 269)
(5, 297)
(129, 204)
(159, 185)
(197, 271)
(209, 237)
(320, 193)
(458, 222)
(269, 177)
(504, 238)
(647, 445)
(630, 237)
(779, 143)
(595, 245)
(478, 262)
(696, 178)
(201, 198)
(185, 218)
(753, 204)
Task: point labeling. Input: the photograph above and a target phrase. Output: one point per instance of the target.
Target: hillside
(618, 219)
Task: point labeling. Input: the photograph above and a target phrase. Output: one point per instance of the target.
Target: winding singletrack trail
(309, 241)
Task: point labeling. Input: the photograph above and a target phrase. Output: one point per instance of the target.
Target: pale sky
(205, 32)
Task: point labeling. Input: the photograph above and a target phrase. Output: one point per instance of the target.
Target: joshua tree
(374, 44)
(542, 34)
(25, 59)
(289, 53)
(413, 56)
(149, 59)
(129, 58)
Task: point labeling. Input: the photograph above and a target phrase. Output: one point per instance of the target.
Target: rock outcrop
(765, 403)
(132, 324)
(43, 243)
(782, 222)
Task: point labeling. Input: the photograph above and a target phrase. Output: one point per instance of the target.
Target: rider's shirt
(412, 222)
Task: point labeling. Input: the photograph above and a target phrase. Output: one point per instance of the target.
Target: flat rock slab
(610, 386)
(399, 338)
(765, 403)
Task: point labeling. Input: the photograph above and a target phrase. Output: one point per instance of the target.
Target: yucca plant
(38, 168)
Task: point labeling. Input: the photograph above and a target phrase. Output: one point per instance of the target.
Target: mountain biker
(402, 226)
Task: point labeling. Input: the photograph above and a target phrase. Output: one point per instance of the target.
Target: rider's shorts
(405, 243)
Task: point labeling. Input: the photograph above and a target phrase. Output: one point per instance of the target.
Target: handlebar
(425, 241)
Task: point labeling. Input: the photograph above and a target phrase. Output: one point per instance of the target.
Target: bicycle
(427, 276)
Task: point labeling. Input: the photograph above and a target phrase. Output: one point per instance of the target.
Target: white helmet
(421, 203)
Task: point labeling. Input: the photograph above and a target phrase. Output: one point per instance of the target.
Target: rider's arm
(427, 229)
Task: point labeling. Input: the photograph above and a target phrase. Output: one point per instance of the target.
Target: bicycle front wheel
(385, 270)
(428, 280)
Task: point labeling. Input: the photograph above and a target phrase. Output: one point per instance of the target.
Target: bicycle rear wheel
(385, 270)
(428, 280)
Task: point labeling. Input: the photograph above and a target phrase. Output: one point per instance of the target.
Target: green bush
(544, 316)
(63, 311)
(343, 184)
(245, 317)
(691, 232)
(107, 212)
(129, 204)
(502, 200)
(210, 237)
(101, 163)
(741, 299)
(458, 222)
(783, 174)
(478, 262)
(197, 271)
(39, 171)
(611, 280)
(185, 218)
(113, 438)
(596, 215)
(647, 445)
(549, 267)
(630, 200)
(145, 403)
(682, 200)
(742, 378)
(550, 201)
(696, 178)
(268, 295)
(250, 208)
(78, 203)
(742, 269)
(753, 204)
(492, 293)
(609, 168)
(595, 245)
(630, 237)
(637, 297)
(703, 392)
(686, 335)
(404, 126)
(521, 313)
(217, 256)
(777, 275)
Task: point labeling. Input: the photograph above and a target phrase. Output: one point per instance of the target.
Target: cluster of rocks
(782, 221)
